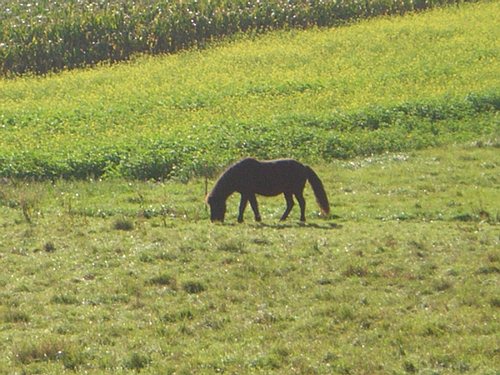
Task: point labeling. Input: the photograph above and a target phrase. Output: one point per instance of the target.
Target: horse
(268, 178)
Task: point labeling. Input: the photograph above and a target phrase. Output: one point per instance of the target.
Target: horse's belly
(278, 185)
(269, 193)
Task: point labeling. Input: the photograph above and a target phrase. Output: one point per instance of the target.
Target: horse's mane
(219, 186)
(222, 187)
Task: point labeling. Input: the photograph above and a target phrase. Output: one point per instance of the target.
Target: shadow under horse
(269, 178)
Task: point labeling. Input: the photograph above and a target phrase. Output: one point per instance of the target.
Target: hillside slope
(384, 84)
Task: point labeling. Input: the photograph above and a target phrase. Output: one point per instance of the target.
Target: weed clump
(355, 271)
(442, 285)
(193, 287)
(495, 302)
(487, 270)
(15, 316)
(409, 367)
(232, 246)
(64, 299)
(179, 316)
(47, 350)
(49, 247)
(123, 224)
(164, 280)
(137, 361)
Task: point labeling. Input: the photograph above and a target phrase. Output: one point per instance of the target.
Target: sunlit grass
(174, 114)
(401, 279)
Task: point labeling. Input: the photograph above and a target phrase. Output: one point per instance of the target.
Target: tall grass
(50, 35)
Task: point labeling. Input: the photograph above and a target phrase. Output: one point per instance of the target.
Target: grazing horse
(269, 178)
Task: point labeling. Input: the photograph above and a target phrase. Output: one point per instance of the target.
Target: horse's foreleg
(255, 207)
(243, 205)
(289, 206)
(302, 204)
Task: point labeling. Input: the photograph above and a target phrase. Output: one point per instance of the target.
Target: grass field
(390, 84)
(119, 277)
(110, 263)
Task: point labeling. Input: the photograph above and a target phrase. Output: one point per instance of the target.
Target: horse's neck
(223, 189)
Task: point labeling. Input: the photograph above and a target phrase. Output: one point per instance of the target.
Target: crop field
(110, 264)
(390, 84)
(121, 277)
(50, 35)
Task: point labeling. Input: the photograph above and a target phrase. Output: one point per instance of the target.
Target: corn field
(51, 35)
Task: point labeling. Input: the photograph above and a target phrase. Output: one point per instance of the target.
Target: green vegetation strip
(381, 85)
(51, 35)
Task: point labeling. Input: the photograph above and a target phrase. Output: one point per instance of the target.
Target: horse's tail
(319, 190)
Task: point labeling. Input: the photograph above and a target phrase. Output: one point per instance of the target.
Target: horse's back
(278, 167)
(285, 164)
(289, 167)
(272, 177)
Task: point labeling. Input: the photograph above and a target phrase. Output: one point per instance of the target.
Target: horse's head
(217, 208)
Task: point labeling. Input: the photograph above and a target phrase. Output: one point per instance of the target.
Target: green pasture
(124, 277)
(386, 84)
(110, 264)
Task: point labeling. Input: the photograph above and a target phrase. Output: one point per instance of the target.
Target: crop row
(374, 130)
(50, 35)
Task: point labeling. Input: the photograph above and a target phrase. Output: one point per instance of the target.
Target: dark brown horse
(249, 177)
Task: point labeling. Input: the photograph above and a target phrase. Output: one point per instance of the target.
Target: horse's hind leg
(243, 205)
(289, 206)
(255, 207)
(302, 204)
